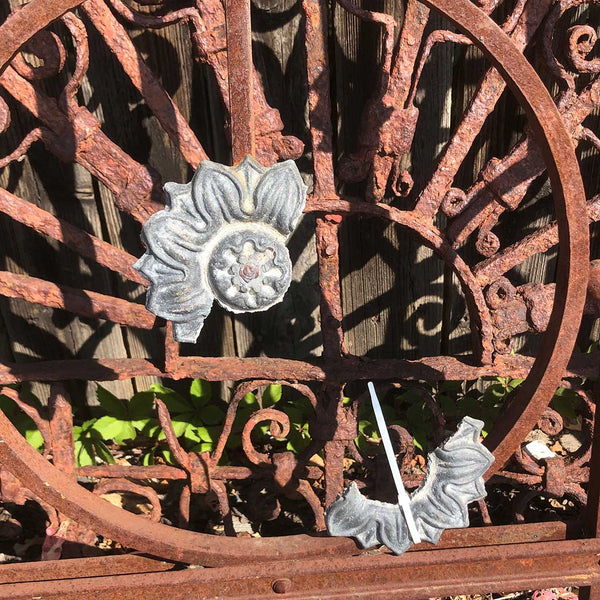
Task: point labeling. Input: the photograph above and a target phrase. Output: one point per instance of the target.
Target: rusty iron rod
(80, 302)
(381, 576)
(239, 63)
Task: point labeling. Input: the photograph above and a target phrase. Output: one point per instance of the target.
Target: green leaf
(304, 405)
(297, 441)
(84, 453)
(168, 456)
(241, 416)
(303, 430)
(365, 411)
(212, 415)
(191, 435)
(88, 426)
(149, 458)
(148, 427)
(141, 406)
(417, 414)
(7, 406)
(23, 423)
(249, 401)
(365, 426)
(200, 392)
(411, 398)
(203, 447)
(110, 403)
(564, 402)
(209, 434)
(369, 430)
(294, 414)
(388, 412)
(447, 405)
(366, 448)
(179, 427)
(271, 395)
(103, 452)
(514, 383)
(471, 406)
(34, 437)
(108, 427)
(140, 424)
(420, 438)
(233, 441)
(127, 432)
(174, 402)
(489, 416)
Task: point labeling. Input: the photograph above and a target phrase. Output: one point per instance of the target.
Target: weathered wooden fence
(399, 300)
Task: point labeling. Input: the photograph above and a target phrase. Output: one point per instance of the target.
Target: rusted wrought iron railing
(524, 555)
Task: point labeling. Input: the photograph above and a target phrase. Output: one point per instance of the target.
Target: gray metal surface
(221, 236)
(454, 479)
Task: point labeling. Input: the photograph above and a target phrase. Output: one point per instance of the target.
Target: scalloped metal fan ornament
(454, 479)
(221, 236)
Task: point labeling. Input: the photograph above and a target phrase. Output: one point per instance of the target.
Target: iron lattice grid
(552, 124)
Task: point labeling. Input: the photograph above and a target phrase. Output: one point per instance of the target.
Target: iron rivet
(281, 586)
(329, 250)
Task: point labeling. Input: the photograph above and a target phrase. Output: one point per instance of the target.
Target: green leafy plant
(90, 443)
(198, 419)
(455, 399)
(458, 399)
(118, 423)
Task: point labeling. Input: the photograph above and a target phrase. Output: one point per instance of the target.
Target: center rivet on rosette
(248, 272)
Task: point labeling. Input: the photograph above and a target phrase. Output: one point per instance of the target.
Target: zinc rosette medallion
(222, 236)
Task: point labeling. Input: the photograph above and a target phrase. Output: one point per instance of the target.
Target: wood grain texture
(399, 299)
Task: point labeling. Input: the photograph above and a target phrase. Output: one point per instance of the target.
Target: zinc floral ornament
(454, 479)
(221, 236)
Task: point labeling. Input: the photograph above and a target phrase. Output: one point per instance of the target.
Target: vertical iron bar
(592, 509)
(171, 350)
(319, 99)
(239, 67)
(327, 231)
(61, 430)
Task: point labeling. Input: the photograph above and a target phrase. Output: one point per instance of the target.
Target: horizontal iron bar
(139, 563)
(351, 368)
(73, 568)
(159, 472)
(409, 577)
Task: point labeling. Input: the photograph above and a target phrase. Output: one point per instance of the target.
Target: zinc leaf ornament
(221, 236)
(454, 479)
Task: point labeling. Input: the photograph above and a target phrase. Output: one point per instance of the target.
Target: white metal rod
(403, 497)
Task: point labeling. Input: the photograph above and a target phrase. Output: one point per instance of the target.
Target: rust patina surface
(443, 216)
